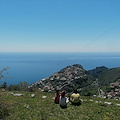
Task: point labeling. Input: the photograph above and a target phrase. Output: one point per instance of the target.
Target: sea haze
(32, 67)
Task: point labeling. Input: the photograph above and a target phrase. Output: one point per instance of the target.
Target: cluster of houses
(61, 79)
(113, 93)
(71, 72)
(65, 78)
(114, 89)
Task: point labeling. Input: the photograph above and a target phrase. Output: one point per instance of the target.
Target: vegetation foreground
(42, 107)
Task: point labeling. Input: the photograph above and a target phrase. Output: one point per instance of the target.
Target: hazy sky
(59, 25)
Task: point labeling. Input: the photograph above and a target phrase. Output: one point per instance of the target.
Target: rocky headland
(76, 77)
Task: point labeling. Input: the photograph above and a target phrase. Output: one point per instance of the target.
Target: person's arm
(67, 100)
(71, 97)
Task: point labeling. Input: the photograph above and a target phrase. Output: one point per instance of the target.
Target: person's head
(63, 94)
(75, 91)
(57, 91)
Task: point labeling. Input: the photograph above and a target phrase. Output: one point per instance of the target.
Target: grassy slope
(37, 108)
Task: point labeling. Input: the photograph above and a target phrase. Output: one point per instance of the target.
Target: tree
(14, 87)
(3, 108)
(4, 85)
(2, 73)
(22, 86)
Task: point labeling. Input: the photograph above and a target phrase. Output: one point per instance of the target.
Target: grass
(38, 108)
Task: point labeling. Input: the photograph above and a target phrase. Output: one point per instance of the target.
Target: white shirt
(63, 101)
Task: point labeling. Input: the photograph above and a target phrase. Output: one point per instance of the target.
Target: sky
(59, 25)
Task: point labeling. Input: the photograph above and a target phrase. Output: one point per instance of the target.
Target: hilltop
(76, 77)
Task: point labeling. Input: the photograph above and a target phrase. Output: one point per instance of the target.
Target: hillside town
(61, 79)
(114, 90)
(76, 77)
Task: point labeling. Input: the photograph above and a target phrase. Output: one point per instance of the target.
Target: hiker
(63, 100)
(57, 96)
(75, 98)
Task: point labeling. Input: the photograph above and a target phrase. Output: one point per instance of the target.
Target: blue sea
(32, 67)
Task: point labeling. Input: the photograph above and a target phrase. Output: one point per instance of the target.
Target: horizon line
(63, 52)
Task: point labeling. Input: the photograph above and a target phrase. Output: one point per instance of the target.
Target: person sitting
(63, 100)
(57, 97)
(75, 98)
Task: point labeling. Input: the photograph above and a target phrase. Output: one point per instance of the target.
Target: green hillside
(43, 108)
(109, 76)
(76, 77)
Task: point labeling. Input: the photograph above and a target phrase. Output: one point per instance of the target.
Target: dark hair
(57, 91)
(75, 91)
(63, 94)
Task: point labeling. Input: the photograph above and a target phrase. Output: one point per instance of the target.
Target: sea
(32, 67)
